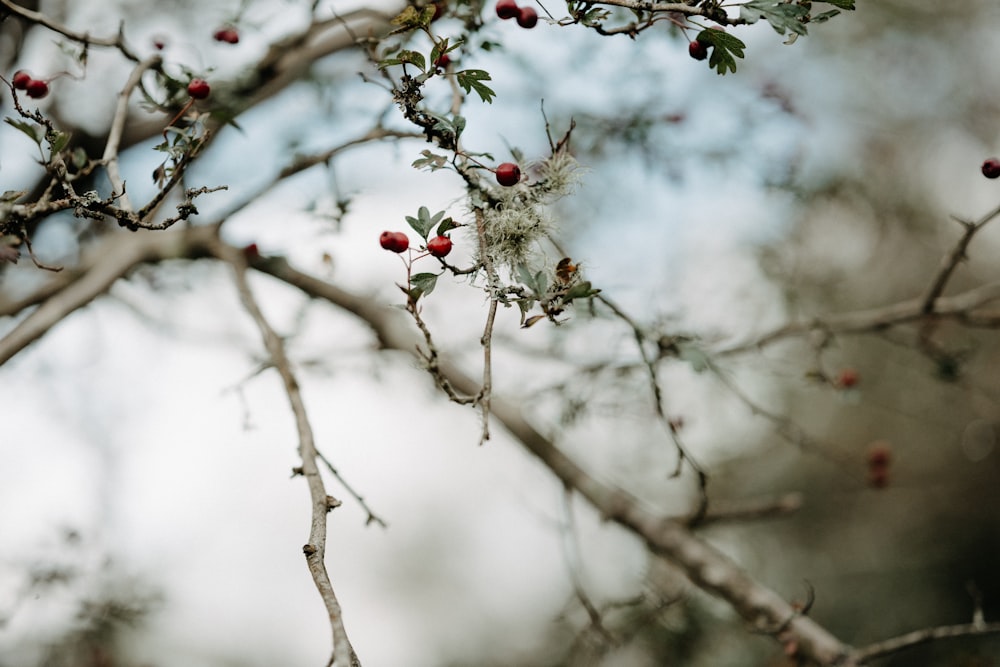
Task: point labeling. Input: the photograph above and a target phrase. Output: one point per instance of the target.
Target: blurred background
(147, 512)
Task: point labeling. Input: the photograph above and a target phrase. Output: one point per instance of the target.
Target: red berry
(879, 455)
(251, 251)
(508, 174)
(228, 35)
(199, 89)
(527, 17)
(20, 80)
(507, 9)
(991, 168)
(37, 89)
(442, 61)
(878, 478)
(439, 8)
(439, 246)
(394, 241)
(847, 378)
(698, 50)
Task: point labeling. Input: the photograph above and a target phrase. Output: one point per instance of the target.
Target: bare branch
(315, 549)
(110, 157)
(959, 307)
(705, 566)
(868, 653)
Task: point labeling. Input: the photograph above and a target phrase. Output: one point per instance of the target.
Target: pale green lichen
(517, 224)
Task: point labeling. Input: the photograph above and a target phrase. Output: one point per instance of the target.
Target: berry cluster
(879, 459)
(398, 242)
(526, 16)
(34, 88)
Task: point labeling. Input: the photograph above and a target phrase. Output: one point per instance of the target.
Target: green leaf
(432, 160)
(422, 284)
(535, 282)
(471, 79)
(424, 222)
(79, 157)
(782, 16)
(447, 225)
(59, 141)
(33, 131)
(413, 57)
(411, 18)
(580, 290)
(843, 4)
(443, 124)
(458, 122)
(726, 49)
(525, 306)
(825, 16)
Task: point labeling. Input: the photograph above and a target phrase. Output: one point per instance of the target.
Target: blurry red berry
(527, 17)
(251, 251)
(442, 61)
(879, 455)
(847, 378)
(37, 89)
(228, 35)
(199, 89)
(394, 241)
(507, 9)
(878, 478)
(20, 80)
(159, 43)
(991, 168)
(439, 8)
(439, 246)
(698, 50)
(508, 174)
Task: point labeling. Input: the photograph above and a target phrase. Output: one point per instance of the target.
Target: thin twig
(493, 282)
(896, 644)
(372, 517)
(315, 549)
(951, 261)
(110, 157)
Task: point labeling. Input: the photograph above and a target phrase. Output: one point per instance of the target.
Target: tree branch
(315, 549)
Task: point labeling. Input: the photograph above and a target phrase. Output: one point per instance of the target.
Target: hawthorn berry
(199, 89)
(20, 80)
(439, 246)
(227, 34)
(507, 9)
(394, 241)
(878, 459)
(879, 455)
(991, 167)
(508, 174)
(442, 61)
(439, 8)
(37, 89)
(527, 17)
(847, 378)
(698, 50)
